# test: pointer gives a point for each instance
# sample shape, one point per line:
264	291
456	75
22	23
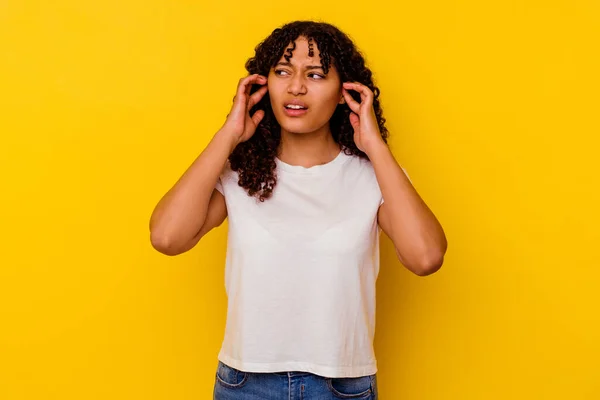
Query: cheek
274	93
331	98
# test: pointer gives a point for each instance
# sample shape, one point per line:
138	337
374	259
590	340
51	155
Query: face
303	98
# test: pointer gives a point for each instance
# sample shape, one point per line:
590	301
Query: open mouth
295	107
295	110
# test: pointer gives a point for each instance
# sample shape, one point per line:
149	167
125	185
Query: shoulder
357	165
360	164
227	179
227	172
358	173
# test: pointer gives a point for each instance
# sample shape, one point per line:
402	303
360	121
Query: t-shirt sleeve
224	178
219	186
405	173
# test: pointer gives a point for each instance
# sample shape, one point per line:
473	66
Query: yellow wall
493	108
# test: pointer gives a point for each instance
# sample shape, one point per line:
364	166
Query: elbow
433	259
429	266
425	265
163	244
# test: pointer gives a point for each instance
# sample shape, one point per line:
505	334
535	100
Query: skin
417	235
305	140
192	207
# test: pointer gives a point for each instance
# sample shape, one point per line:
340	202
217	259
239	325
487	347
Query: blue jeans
233	384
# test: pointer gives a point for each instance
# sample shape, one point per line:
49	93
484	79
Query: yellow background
493	110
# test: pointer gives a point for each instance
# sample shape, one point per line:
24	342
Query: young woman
303	173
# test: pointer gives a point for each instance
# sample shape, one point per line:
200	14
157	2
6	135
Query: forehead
304	53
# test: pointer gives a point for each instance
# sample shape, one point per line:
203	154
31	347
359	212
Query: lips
295	108
296	103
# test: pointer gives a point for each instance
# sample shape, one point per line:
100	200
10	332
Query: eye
279	72
316	76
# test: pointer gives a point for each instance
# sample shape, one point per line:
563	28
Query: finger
257	78
257	117
256	96
247	88
244	87
353	104
254	78
357	88
245	84
365	92
354	121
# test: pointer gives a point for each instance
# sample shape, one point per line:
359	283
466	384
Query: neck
307	149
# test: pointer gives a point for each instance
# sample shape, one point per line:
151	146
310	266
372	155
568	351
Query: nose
296	85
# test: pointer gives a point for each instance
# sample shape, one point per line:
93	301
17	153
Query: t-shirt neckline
315	169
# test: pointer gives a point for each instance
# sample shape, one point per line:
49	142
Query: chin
298	126
297	129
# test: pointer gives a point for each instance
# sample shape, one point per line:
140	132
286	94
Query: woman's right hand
239	122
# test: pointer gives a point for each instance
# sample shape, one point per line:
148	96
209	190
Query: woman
302	170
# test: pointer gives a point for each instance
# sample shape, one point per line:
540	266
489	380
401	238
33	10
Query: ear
342	100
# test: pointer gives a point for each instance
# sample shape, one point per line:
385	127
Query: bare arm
177	220
217	212
417	234
192	207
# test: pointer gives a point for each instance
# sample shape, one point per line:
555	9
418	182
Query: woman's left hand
363	118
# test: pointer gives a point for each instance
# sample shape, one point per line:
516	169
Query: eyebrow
289	64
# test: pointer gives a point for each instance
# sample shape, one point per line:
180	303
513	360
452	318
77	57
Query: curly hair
254	159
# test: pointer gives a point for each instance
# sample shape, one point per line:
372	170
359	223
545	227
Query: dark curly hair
254	159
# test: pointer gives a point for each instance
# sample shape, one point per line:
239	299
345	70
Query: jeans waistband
292	373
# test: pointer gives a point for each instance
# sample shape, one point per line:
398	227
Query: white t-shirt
301	269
